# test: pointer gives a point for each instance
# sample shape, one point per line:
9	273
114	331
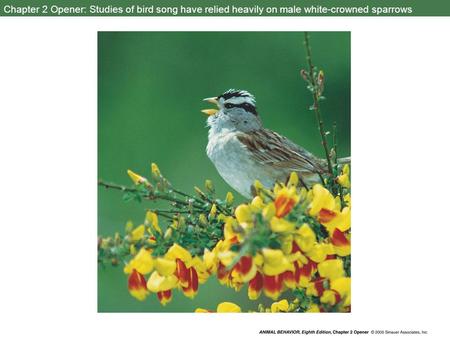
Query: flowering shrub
286	238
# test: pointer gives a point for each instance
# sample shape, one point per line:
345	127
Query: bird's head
236	111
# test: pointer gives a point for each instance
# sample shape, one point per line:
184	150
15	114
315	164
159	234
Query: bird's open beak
212	100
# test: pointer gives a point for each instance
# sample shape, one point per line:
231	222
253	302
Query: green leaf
128	196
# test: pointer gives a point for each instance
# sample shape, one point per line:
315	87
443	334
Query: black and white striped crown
238	93
239	98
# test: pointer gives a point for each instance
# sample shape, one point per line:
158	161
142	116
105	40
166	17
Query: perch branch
316	96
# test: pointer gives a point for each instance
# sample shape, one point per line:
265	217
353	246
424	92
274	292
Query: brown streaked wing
271	148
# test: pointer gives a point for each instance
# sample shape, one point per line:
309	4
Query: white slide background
400	185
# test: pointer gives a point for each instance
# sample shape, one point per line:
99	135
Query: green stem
336	167
163	214
187	195
116	186
316	103
207	199
172	211
335	148
149	195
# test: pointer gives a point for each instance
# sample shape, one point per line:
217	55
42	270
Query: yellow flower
285	200
298	256
177	251
286	243
211	261
151	219
313	308
226	257
209	186
157	283
244	214
272	256
340	242
229	199
341	220
255	286
155	170
315	288
228	307
269	211
202	219
128	227
281	306
201	269
331	269
348	200
328	297
221	217
137	286
319	252
258	186
293	180
231	229
137	179
222	307
342	286
164	297
281	225
165	267
257	204
138	233
275	262
142	263
243	271
132	250
321	199
213	211
306	238
344	179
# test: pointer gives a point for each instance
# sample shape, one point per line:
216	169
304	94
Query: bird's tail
341	162
344	160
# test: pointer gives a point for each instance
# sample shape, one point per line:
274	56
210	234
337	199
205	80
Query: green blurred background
150	91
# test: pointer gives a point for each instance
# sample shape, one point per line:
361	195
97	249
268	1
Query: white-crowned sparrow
244	151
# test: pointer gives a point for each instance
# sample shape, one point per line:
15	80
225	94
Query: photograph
224	171
217	168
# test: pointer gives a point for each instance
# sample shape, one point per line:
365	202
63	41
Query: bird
243	151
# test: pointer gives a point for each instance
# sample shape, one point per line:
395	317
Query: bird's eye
228	105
